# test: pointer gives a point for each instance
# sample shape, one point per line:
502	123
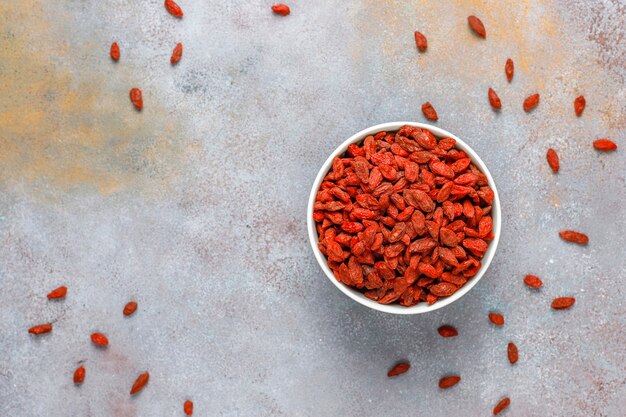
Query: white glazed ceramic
396	308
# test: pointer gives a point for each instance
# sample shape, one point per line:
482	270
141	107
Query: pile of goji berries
404	217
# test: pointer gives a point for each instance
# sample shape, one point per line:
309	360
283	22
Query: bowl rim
395	308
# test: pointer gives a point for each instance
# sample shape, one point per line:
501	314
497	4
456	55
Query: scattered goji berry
429	111
58	293
604	145
177	53
140	383
579	105
41	329
477	26
533	281
512	353
79	375
173	8
562	303
494	100
509	69
420	41
447	331
136	98
130	308
115	51
281	9
504	403
553	160
497	319
531	102
398	369
449	381
574	237
188	408
99	339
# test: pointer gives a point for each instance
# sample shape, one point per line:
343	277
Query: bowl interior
394	308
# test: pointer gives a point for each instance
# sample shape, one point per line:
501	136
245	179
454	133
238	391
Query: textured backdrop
195	207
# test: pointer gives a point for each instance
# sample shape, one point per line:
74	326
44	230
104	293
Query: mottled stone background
195	207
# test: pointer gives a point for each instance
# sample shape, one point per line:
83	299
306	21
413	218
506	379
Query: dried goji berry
604	145
420	41
512	352
429	111
115	51
173	8
477	26
140	383
532	281
399	369
531	102
281	9
497	319
130	308
504	403
58	293
449	381
443	289
99	339
494	100
41	329
79	375
177	53
188	408
509	69
562	303
447	331
553	160
574	237
579	105
136	98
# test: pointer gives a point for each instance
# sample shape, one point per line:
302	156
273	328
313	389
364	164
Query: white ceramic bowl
396	308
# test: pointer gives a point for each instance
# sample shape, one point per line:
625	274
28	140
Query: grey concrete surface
195	207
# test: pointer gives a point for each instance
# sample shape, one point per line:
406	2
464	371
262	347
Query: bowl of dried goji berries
404	218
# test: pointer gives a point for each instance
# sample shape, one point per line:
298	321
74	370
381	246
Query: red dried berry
497	319
477	26
41	329
130	308
281	9
494	100
420	41
512	353
533	281
447	331
604	145
449	381
579	105
177	53
563	303
173	8
140	383
79	375
553	160
136	98
504	403
574	237
188	408
429	111
115	51
58	293
99	339
509	69
531	102
399	369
